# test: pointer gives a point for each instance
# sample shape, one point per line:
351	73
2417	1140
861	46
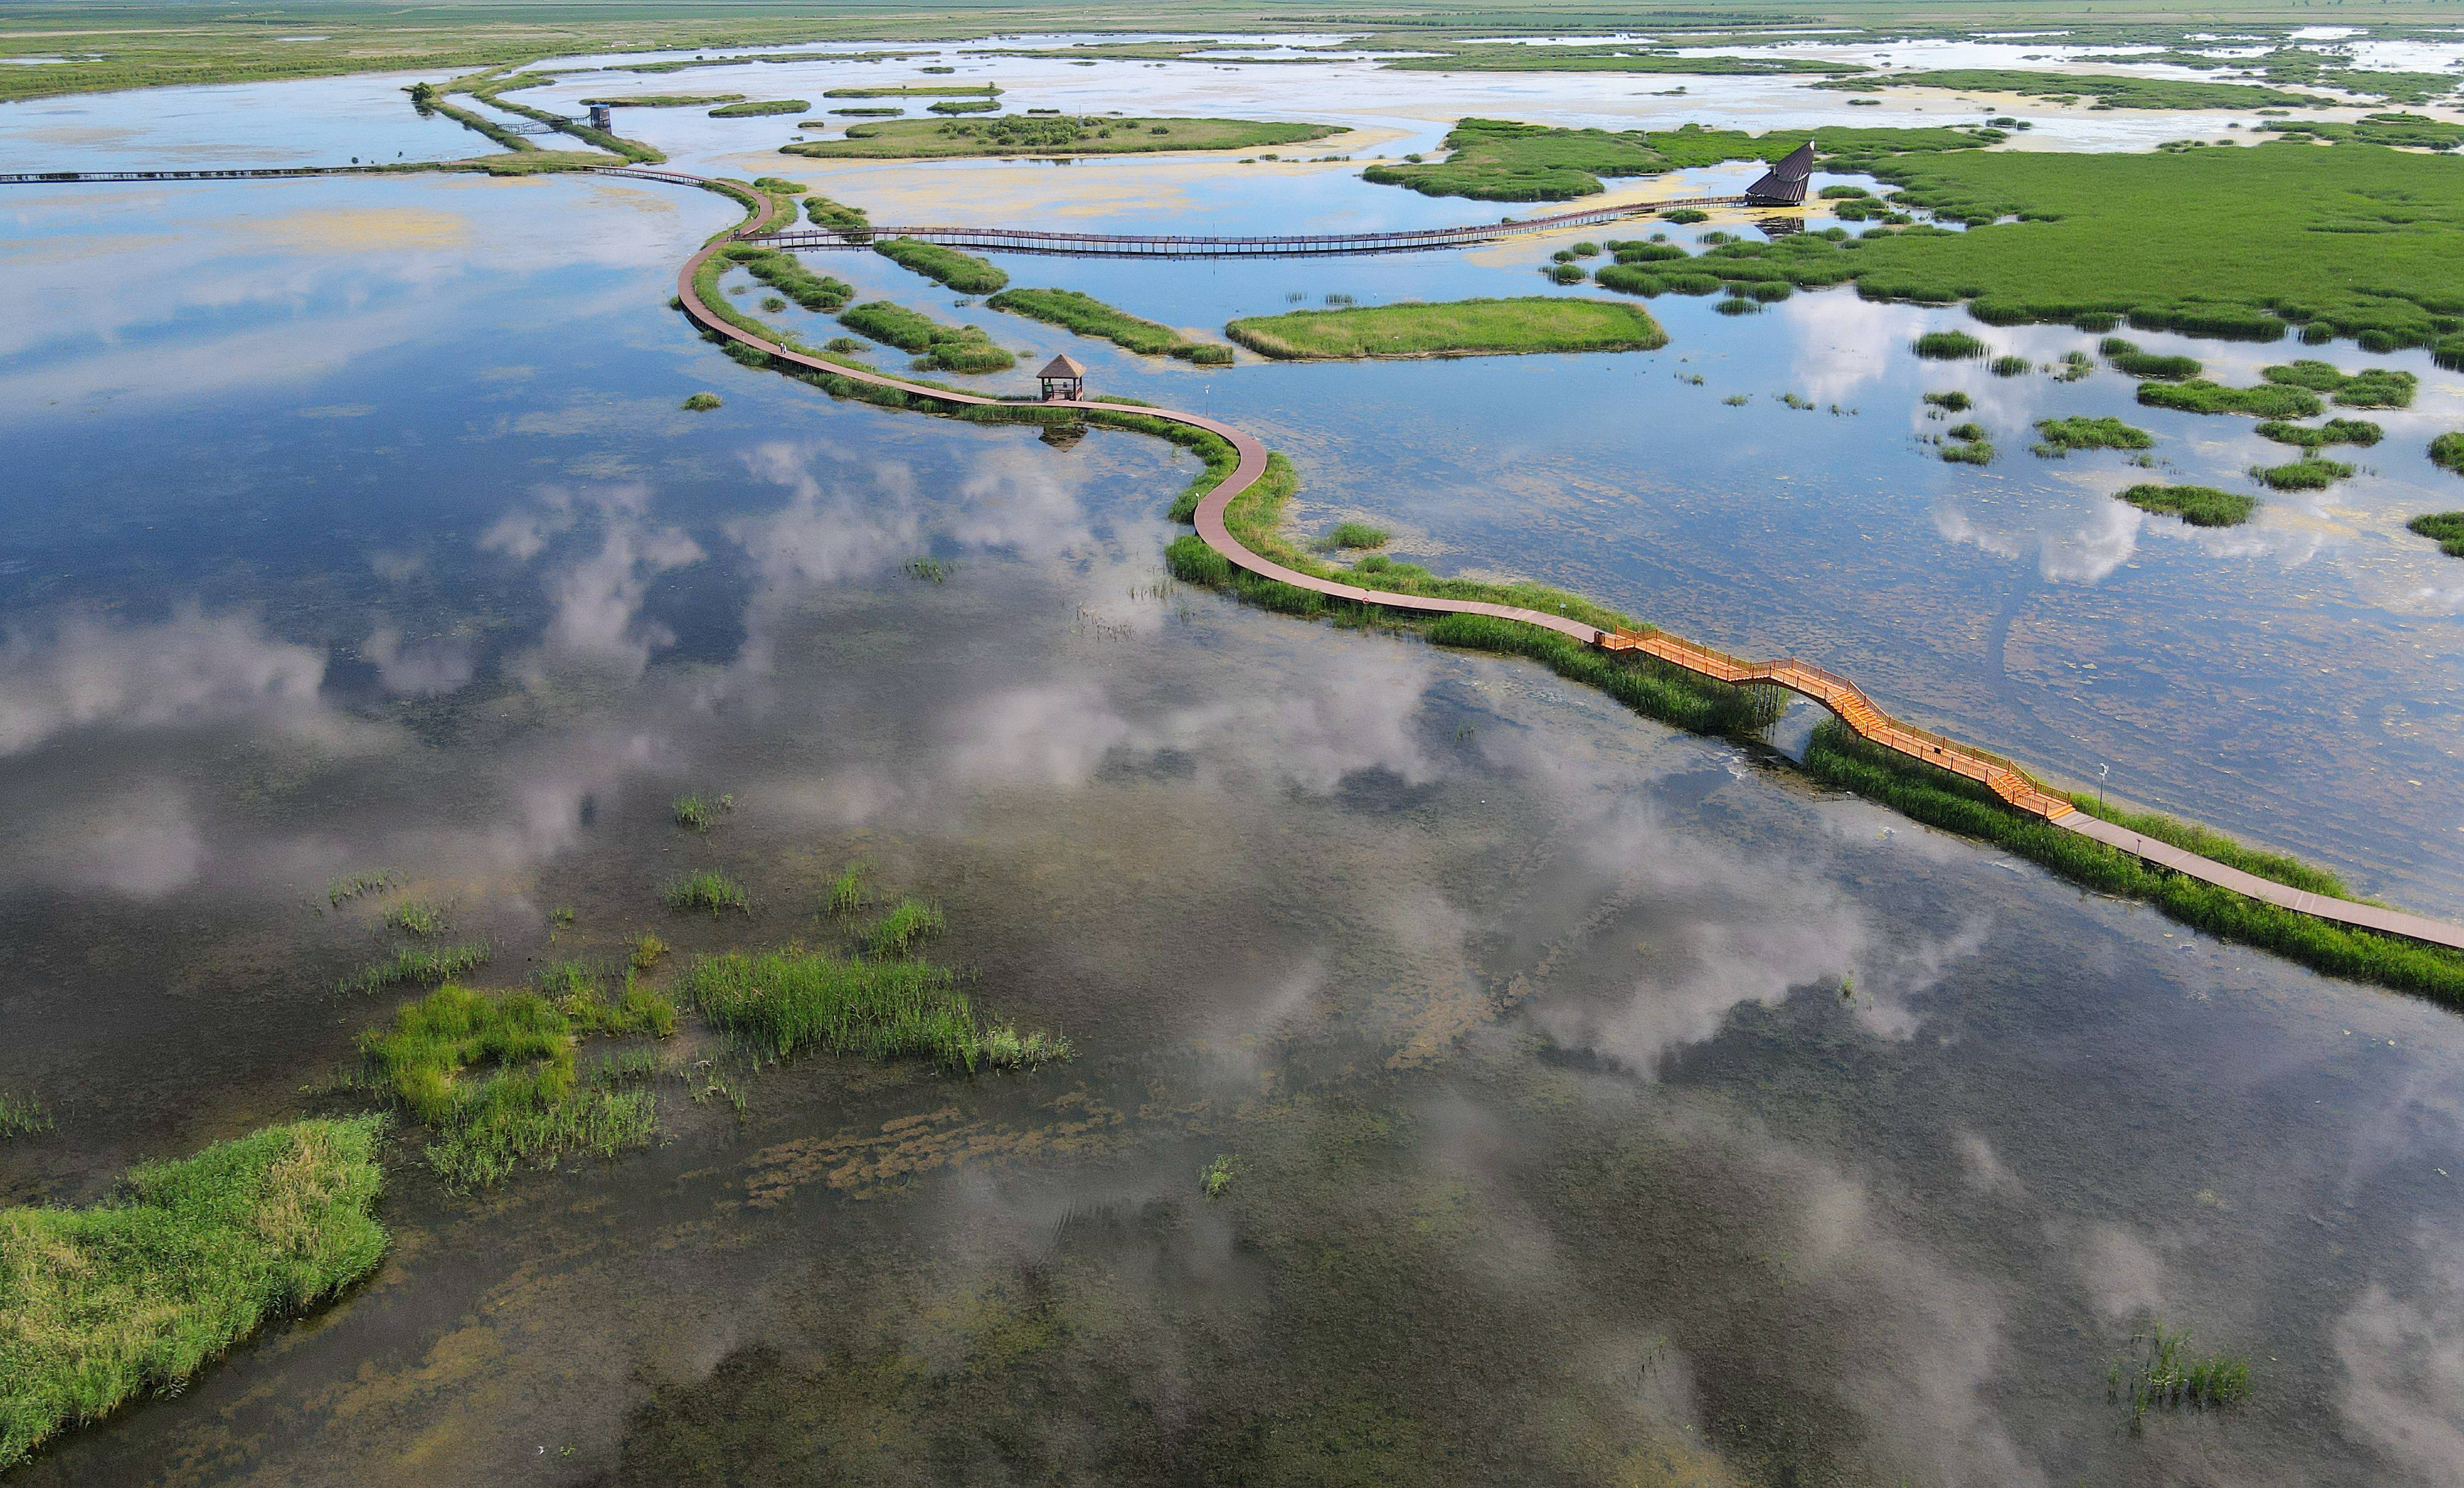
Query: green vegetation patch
695	812
706	889
2307	474
493	1077
2444	528
667	99
2372	387
700	402
21	1115
2447	452
2266	401
1454	328
143	1290
2200	506
965	273
2156	367
1497	160
2334	432
1053	134
1087	315
2346	240
1949	346
759	107
784	272
1609	57
2084	433
921	90
2159	1373
954	348
962	106
2409	131
850	223
1352	535
787	1001
1935	797
2109	92
411	965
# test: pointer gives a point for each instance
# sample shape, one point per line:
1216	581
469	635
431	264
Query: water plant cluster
2444	527
965	273
2059	436
141	1290
791	1001
950	348
2158	1371
784	272
1498	160
1052	134
761	107
2200	506
1463	327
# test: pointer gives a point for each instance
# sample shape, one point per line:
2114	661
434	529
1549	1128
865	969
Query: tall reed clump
1949	346
695	812
706	889
493	1077
789	1001
965	273
2307	474
144	1290
2159	1373
852	892
1837	757
904	928
20	1114
2085	433
2267	401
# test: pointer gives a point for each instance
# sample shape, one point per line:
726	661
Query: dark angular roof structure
1786	181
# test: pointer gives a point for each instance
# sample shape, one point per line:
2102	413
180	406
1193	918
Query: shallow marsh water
1608	1106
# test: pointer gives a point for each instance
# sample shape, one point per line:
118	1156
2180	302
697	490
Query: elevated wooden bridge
1116	245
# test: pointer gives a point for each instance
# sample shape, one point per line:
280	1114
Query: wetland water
1609	1106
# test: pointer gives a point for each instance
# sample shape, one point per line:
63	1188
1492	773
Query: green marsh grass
1950	402
2085	433
143	1290
695	812
2307	474
2267	401
2334	432
2447	452
2159	1373
958	348
1058	134
1353	535
2110	90
1949	346
1214	1179
965	273
852	892
1965	444
21	1114
493	1077
646	952
1468	327
2444	527
786	274
929	569
2135	362
789	1001
411	965
2200	506
700	402
706	889
1087	315
417	917
2011	366
2372	387
760	108
904	928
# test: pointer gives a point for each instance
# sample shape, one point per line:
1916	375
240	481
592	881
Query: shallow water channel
1607	1105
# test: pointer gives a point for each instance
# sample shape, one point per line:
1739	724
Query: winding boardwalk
1843	698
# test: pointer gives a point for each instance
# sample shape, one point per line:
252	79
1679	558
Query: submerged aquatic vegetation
783	1001
342	890
2444	527
493	1077
20	1114
413	965
144	1290
2158	1373
2200	506
706	889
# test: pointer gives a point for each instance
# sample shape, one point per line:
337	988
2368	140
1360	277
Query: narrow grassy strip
760	108
2200	506
1456	328
493	1077
788	1001
951	348
102	1304
1939	798
848	222
1085	314
2307	474
2267	401
965	273
414	966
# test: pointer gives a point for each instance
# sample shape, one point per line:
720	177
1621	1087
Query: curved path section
1844	699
